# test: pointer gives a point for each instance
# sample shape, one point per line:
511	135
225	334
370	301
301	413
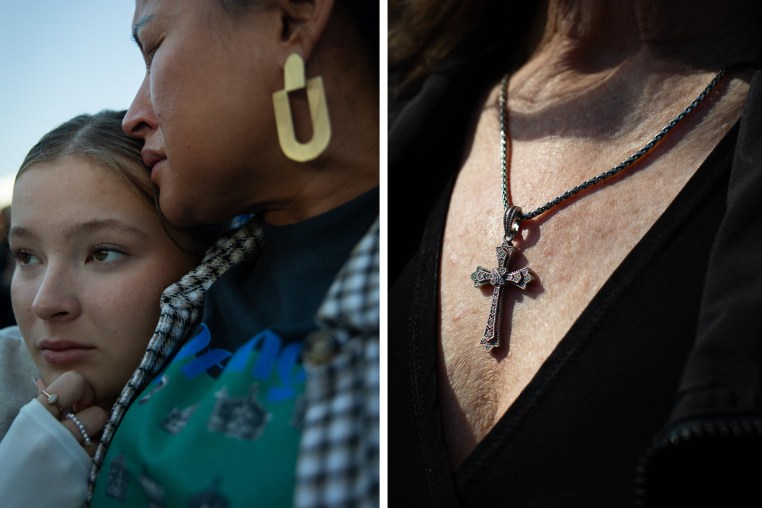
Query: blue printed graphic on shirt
242	405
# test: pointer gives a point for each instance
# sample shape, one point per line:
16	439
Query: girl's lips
65	356
60	352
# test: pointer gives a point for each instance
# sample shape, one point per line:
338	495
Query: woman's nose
140	119
56	297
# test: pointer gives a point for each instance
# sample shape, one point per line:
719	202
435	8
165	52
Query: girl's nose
56	296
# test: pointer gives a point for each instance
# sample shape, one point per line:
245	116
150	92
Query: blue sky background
60	59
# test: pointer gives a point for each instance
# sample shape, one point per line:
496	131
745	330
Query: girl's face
205	108
92	261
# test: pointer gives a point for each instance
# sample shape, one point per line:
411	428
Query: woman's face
205	107
92	260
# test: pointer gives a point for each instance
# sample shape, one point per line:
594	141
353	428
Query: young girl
93	257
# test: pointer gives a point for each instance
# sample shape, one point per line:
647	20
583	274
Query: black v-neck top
575	435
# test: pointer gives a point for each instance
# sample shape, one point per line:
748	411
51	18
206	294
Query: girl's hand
71	395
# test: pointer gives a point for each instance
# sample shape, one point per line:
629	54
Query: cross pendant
497	278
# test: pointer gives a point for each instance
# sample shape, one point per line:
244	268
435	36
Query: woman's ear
304	22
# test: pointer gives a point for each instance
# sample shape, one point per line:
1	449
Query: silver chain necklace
500	276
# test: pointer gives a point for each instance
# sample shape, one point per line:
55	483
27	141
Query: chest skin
572	250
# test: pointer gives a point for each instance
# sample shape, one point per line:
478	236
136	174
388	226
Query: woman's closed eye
148	54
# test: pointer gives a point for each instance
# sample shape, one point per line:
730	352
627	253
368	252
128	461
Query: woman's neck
624	61
578	44
701	33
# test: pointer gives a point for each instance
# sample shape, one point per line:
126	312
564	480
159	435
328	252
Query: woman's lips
151	157
61	352
155	169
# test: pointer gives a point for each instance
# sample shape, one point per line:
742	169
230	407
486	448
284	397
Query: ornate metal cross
497	278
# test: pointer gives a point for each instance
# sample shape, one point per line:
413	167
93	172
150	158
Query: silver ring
52	399
85	438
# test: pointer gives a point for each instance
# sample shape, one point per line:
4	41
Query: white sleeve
41	463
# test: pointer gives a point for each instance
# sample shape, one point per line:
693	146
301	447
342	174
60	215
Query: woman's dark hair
364	13
423	33
366	17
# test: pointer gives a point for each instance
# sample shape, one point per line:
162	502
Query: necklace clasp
511	222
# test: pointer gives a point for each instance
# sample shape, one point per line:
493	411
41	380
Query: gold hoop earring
293	77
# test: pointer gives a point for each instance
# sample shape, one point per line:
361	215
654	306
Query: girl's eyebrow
92	226
137	27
